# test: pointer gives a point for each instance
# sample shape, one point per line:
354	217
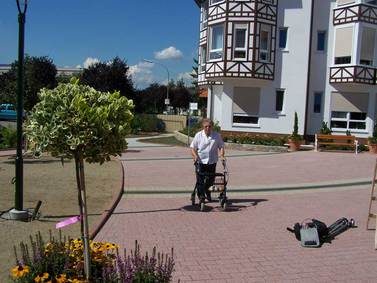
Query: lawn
47	180
170	140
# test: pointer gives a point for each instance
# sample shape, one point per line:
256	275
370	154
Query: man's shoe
209	197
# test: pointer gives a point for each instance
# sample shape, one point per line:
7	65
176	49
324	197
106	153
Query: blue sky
77	32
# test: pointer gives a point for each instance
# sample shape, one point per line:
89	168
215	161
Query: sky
76	33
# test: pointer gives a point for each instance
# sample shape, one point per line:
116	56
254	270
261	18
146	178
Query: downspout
309	69
211	104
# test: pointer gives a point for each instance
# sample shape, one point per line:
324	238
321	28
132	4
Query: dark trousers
204	182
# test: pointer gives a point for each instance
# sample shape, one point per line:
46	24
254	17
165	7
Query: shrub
8	138
295	136
147	123
196	126
257	140
62	261
325	130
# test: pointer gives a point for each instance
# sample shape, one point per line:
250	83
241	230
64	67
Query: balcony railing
353	74
355	13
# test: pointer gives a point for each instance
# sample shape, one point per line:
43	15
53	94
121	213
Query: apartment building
264	60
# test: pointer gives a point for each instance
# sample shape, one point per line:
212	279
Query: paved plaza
249	242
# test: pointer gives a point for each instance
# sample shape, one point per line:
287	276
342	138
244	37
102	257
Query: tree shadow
39	161
132	150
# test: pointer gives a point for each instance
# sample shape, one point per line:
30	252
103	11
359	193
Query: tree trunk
83	209
77	161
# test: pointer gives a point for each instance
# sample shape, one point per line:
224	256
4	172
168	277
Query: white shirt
207	147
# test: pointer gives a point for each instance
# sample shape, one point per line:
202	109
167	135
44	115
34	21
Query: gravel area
47	180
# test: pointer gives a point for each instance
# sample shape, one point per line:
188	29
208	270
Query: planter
294	145
372	148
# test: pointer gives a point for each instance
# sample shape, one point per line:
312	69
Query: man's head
207	125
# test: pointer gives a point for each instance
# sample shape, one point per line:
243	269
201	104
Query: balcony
353	74
355	13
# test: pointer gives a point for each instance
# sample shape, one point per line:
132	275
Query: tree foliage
151	99
109	77
40	72
77	119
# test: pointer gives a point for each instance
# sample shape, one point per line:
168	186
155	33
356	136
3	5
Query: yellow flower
41	277
110	246
20	271
77	281
61	278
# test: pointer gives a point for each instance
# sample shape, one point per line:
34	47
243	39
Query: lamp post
167	102
18	212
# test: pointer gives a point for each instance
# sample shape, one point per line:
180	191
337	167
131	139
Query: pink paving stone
250	242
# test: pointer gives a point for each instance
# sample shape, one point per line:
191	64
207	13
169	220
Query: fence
173	122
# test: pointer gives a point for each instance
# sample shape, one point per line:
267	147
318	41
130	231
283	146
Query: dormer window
240	42
216	42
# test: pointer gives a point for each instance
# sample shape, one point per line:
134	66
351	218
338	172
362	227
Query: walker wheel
202	206
224	204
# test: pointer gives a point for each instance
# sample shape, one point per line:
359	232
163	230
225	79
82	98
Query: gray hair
207	120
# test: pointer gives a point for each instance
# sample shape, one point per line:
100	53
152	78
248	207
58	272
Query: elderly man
206	147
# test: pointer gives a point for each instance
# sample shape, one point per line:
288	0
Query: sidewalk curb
115	201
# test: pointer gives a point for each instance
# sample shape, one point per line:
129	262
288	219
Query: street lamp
18	212
167	102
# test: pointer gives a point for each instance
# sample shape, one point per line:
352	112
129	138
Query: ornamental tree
76	121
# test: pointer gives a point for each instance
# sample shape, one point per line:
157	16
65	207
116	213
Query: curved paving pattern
249	243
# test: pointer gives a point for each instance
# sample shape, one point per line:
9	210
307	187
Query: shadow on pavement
253	202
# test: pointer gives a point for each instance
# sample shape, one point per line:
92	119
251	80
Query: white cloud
168	53
141	74
90	61
186	77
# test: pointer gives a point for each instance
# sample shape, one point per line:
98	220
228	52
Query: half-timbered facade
263	60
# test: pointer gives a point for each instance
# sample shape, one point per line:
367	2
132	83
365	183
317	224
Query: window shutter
246	100
343	42
349	102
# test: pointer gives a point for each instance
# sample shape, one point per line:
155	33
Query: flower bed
62	261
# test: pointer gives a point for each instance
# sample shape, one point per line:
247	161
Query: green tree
40	72
109	76
8	87
151	99
180	96
77	121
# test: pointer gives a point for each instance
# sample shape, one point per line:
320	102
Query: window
342	2
240	45
246	106
245	119
204	16
348	120
321	40
216	42
342	60
367	46
279	100
203	58
216	1
343	45
283	33
372	2
264	43
317	102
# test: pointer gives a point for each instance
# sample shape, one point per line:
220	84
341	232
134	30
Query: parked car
8	112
